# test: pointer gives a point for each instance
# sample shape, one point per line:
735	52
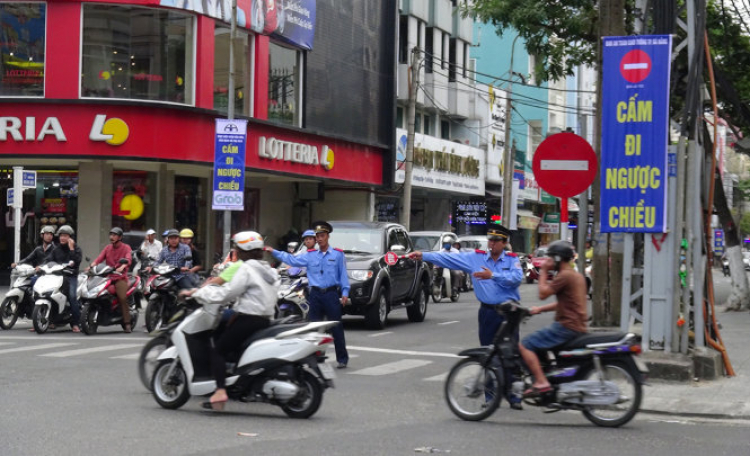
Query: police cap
322	227
498	233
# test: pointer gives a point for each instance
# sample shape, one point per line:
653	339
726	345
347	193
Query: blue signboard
28	179
229	165
719	241
635	108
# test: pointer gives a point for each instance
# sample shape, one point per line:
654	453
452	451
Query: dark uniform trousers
327	304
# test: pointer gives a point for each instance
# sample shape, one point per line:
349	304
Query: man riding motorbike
67	252
112	255
38	256
186	237
255	285
447	242
178	255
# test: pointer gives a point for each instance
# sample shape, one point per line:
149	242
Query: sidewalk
727	397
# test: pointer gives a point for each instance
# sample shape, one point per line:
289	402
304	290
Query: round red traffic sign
564	165
391	258
635	66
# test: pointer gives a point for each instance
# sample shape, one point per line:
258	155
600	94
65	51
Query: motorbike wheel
171	393
471	390
455	297
154	313
89	315
148	359
9	312
39	319
133	316
631	394
308	400
437	290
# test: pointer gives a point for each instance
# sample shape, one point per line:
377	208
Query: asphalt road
66	393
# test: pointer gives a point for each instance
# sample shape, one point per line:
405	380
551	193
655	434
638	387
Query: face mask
447	246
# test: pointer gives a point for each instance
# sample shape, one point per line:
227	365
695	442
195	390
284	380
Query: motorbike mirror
293	271
217	257
88	260
123	261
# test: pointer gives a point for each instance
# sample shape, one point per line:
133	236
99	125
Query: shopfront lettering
25	129
448	162
275	149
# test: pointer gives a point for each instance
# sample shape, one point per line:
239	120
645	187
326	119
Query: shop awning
493	193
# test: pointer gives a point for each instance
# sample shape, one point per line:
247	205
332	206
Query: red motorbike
99	303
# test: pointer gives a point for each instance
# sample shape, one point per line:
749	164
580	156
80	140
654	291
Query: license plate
640	365
327	371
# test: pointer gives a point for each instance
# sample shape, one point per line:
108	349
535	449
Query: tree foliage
745	224
563	34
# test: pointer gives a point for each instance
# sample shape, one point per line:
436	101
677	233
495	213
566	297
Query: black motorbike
440	286
161	291
597	374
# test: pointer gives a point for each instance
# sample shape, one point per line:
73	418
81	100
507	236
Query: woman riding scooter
255	285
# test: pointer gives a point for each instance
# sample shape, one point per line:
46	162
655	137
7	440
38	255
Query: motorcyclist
178	255
447	242
151	247
308	239
460	275
113	254
186	237
38	256
69	253
570	309
255	285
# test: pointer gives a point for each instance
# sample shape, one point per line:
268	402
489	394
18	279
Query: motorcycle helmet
248	240
116	230
172	232
187	233
308	233
292	246
66	229
47	229
560	251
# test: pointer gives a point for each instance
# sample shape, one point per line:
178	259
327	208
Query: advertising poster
635	108
229	165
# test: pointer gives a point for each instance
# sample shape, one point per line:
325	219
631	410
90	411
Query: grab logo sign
113	131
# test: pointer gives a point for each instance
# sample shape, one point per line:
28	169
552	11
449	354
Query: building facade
114	103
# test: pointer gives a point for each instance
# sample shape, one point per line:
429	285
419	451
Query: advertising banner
229	165
635	108
718	242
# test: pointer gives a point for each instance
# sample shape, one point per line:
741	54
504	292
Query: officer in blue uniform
496	276
329	284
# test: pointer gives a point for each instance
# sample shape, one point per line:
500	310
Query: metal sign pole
17	205
230	113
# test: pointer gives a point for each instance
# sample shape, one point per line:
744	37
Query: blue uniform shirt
506	273
324	269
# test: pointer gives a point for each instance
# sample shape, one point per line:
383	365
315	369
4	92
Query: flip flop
217	406
536	392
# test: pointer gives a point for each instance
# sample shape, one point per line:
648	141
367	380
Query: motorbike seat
265	333
592	338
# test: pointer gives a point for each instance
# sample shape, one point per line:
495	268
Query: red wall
63	50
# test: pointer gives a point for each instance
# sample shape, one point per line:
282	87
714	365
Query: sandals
75	329
536	392
126	328
217	406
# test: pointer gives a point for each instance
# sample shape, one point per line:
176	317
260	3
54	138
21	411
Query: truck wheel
377	314
418	309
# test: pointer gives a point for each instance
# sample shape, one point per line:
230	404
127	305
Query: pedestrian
570	309
496	276
329	284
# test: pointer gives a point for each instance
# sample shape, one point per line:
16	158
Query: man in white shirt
151	247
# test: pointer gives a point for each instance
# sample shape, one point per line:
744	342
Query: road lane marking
7	343
437	378
86	351
34	347
402	352
130	356
392	368
448	322
78	337
381	334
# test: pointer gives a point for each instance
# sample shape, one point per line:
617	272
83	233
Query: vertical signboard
635	110
229	165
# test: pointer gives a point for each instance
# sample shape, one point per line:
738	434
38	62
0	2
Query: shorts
549	337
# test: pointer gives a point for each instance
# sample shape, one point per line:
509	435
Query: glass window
427	125
22	27
242	84
428	49
137	53
283	85
399	117
445	129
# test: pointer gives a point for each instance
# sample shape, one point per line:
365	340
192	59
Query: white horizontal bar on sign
635	66
565	165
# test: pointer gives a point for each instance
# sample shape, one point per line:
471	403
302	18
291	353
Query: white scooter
19	301
51	306
283	364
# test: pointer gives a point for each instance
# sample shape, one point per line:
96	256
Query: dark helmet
116	230
173	232
560	251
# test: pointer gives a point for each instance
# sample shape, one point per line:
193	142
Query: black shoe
341	366
516	405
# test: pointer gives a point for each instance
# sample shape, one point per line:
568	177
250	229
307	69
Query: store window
137	53
133	204
22	29
242	83
284	84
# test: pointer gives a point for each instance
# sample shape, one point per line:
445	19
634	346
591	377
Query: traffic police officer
329	284
496	276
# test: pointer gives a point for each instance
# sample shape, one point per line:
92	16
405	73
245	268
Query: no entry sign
635	66
564	165
391	258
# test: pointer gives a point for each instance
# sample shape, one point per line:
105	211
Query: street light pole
410	115
507	159
230	112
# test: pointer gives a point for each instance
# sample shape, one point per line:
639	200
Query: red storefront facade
92	146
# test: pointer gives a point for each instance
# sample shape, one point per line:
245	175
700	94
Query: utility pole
411	113
230	112
507	156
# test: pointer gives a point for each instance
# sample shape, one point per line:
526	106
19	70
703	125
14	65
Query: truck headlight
360	274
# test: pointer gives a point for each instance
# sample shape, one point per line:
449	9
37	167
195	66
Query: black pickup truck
376	287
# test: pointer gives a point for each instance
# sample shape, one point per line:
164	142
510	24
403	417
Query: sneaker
341	366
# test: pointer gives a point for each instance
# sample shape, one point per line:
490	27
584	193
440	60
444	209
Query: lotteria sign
169	134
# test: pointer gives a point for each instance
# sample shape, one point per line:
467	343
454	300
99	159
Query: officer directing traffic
496	276
329	284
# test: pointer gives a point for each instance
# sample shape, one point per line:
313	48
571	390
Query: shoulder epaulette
310	250
336	248
511	254
482	252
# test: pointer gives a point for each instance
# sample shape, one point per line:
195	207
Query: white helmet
248	240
